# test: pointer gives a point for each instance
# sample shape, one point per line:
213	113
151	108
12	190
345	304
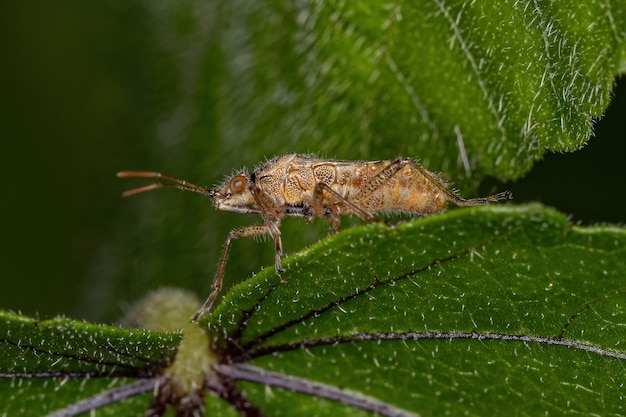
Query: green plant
480	311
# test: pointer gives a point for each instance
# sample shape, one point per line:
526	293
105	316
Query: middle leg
333	216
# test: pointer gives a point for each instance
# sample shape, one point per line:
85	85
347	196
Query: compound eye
238	184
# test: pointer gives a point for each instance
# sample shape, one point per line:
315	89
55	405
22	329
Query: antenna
165	181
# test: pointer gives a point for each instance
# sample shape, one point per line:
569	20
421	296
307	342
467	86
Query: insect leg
264	205
394	167
249	231
382	177
459	201
333	217
317	207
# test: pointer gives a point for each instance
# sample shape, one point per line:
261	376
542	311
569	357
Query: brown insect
305	186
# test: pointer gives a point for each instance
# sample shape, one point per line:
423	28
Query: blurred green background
91	88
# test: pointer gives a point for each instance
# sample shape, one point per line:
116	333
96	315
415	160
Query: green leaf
62	345
471	308
498	84
46	365
480	311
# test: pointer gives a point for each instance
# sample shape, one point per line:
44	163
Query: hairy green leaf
491	85
480	311
46	365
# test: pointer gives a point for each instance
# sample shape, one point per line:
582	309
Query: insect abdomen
407	191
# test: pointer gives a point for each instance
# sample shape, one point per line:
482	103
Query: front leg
249	231
272	216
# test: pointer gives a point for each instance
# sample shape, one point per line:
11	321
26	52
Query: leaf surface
494	84
46	365
478	311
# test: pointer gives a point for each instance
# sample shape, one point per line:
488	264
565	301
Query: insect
309	187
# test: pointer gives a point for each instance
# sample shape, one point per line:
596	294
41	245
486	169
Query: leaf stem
305	386
105	398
